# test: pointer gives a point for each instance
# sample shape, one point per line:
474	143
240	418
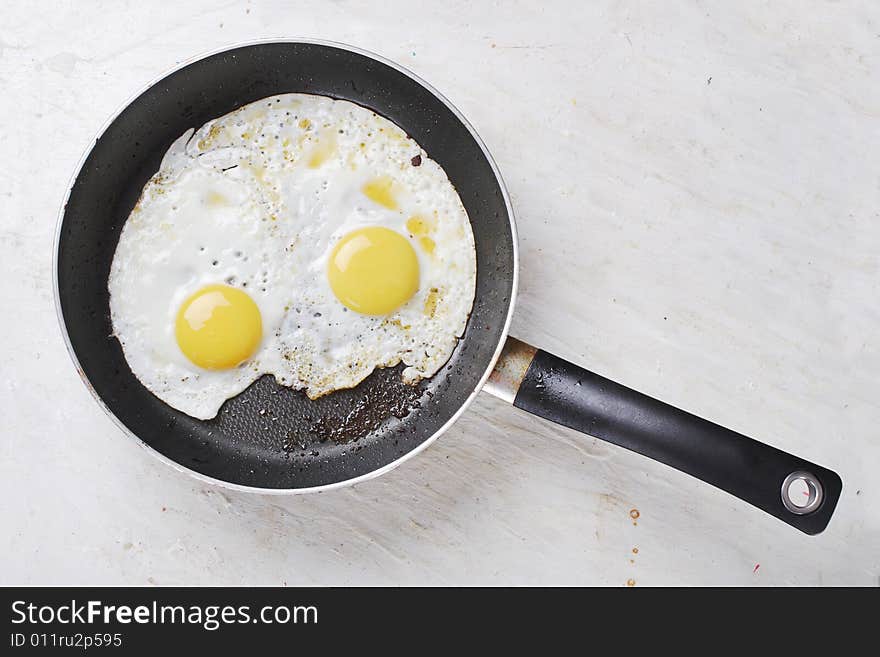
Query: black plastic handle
572	396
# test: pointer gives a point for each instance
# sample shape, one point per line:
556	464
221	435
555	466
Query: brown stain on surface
606	500
634	514
509	372
630	582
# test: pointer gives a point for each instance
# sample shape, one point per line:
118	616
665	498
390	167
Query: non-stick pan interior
270	436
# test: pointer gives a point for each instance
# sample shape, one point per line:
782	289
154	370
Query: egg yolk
218	327
373	270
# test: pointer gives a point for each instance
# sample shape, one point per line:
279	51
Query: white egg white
257	199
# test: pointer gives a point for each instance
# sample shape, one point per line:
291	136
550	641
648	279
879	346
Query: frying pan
273	439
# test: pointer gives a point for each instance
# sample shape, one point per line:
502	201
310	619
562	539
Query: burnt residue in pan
285	421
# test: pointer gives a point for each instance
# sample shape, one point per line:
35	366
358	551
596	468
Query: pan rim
338	484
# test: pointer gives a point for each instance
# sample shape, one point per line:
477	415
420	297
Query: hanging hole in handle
801	493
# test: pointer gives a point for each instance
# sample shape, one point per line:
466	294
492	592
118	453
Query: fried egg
298	236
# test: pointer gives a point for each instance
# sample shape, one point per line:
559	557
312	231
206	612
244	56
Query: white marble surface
698	193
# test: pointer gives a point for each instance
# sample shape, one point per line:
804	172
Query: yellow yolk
379	190
373	270
218	327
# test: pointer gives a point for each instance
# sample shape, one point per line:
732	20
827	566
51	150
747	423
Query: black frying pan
271	438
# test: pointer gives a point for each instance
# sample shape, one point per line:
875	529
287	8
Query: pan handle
768	478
